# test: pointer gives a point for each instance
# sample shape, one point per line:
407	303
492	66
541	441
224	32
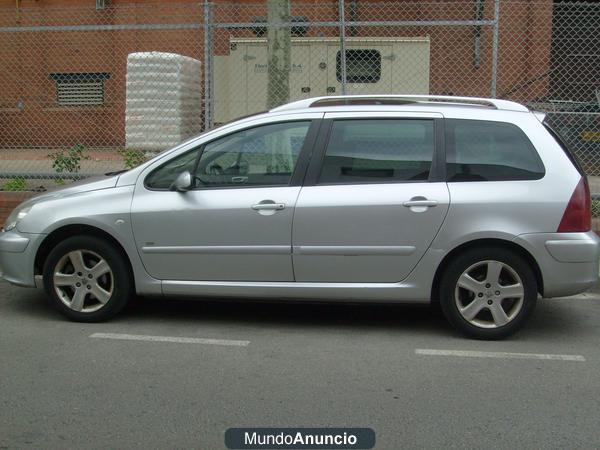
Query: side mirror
182	183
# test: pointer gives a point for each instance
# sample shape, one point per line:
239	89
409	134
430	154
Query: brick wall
30	116
9	201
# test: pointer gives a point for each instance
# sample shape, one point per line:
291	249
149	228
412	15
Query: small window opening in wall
100	4
362	66
80	89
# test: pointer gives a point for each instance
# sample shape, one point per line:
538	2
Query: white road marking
506	355
178	340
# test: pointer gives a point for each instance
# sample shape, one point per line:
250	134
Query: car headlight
15	217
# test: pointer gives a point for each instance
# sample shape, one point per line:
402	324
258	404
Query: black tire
120	278
478	258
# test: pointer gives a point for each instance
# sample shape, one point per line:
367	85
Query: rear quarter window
566	148
479	150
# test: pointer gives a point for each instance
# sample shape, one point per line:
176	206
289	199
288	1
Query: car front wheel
87	279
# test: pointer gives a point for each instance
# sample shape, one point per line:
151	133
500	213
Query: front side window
378	151
165	175
261	156
478	150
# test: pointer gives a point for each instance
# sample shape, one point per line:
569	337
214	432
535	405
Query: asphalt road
293	365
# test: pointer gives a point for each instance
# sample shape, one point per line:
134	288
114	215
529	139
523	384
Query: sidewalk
14	168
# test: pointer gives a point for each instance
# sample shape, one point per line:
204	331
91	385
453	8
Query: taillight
578	214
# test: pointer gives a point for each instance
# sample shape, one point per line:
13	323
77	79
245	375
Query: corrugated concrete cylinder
163	100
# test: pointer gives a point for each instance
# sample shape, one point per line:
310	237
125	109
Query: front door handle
423	202
268	206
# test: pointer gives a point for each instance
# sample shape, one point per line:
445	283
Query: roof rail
504	105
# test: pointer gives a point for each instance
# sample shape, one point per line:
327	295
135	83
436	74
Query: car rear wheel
488	293
87	279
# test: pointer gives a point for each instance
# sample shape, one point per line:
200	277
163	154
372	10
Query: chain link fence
92	89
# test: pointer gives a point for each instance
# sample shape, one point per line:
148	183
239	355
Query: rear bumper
17	256
568	261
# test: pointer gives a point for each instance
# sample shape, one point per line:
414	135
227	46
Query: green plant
132	158
16	184
69	161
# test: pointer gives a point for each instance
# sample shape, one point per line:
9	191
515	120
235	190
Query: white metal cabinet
241	76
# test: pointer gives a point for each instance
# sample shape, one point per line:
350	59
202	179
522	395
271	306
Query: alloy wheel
83	281
489	294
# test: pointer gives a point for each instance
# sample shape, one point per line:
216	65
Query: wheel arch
66	231
486	242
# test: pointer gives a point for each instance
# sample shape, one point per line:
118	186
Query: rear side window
478	150
566	148
378	151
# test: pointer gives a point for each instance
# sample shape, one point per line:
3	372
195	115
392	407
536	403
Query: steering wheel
214	169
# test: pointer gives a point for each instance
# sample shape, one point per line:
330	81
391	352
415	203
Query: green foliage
16	184
69	161
132	158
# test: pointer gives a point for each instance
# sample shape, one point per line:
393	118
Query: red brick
525	40
9	201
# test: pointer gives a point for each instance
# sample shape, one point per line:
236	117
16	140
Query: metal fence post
495	39
342	19
208	67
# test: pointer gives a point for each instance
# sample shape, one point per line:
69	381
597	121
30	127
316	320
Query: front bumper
568	261
17	257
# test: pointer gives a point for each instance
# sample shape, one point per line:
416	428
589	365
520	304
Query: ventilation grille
80	89
80	94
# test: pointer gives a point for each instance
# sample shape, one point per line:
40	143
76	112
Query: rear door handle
268	206
424	202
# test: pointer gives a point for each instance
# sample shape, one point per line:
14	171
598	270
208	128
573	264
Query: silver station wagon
471	204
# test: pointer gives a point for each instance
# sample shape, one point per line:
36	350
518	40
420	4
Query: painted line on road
178	340
505	355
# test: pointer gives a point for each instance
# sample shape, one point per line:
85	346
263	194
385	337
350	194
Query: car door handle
268	206
239	180
423	202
